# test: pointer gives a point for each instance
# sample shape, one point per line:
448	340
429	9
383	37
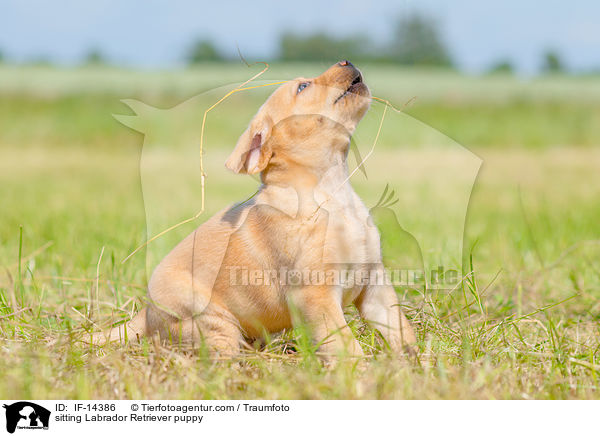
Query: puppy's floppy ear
252	153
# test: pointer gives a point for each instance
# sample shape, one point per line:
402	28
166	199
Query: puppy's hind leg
220	332
213	329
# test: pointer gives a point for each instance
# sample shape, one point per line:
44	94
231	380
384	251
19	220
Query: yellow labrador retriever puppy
281	258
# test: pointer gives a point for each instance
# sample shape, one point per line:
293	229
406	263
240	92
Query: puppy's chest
349	239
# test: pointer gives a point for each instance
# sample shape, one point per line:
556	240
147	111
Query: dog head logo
26	415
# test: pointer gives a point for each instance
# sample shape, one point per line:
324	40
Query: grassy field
75	200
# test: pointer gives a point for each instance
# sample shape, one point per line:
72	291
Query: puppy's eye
302	86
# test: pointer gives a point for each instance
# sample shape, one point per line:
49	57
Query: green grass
524	324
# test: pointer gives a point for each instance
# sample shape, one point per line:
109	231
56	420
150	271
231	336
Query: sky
156	33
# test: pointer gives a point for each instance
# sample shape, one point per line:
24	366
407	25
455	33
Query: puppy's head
339	96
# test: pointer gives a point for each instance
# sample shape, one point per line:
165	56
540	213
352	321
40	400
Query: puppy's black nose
345	63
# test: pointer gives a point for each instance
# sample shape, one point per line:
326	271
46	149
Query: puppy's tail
133	330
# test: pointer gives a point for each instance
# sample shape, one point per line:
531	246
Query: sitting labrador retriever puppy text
274	261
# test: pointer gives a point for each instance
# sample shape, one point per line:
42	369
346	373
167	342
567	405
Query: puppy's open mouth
355	86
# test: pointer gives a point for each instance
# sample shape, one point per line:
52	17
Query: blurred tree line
416	41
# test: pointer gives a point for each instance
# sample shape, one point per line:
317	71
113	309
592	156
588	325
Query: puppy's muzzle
351	80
